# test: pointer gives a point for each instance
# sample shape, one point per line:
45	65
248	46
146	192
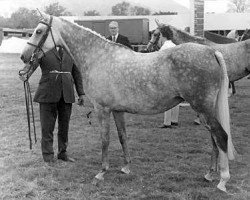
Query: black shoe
174	123
65	157
49	159
165	126
197	121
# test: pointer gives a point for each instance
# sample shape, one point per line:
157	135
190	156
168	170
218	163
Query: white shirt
167	44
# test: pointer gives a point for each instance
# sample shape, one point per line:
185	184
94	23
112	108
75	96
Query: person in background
171	116
233	34
1	35
115	36
55	95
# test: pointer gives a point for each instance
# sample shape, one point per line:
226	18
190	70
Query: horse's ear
158	23
43	15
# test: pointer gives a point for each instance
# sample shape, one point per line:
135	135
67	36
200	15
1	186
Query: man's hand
81	100
23	78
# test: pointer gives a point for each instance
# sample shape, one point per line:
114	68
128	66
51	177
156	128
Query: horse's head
162	31
153	44
245	35
42	40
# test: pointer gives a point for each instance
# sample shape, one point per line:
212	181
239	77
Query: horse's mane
94	33
220	39
185	36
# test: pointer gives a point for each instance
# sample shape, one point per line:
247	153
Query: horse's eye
38	31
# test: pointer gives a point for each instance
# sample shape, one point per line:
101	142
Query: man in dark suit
55	95
115	36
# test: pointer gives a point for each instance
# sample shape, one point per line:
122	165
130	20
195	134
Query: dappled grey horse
118	80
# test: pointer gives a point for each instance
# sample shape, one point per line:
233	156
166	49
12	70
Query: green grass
166	164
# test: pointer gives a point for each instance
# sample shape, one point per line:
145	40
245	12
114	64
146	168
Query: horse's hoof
208	178
222	188
125	170
100	175
96	181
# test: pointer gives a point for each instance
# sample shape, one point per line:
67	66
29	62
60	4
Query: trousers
49	113
171	115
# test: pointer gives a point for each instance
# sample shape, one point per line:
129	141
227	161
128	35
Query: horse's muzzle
22	57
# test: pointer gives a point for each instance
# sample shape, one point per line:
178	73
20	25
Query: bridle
42	41
39	46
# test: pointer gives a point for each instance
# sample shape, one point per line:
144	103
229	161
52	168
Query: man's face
113	30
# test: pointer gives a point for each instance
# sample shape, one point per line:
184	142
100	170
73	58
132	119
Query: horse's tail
222	112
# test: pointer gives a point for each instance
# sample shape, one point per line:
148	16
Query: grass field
166	164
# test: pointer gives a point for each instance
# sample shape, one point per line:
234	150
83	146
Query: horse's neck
217	38
180	37
82	42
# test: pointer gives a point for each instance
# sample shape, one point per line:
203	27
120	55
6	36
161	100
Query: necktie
113	38
60	51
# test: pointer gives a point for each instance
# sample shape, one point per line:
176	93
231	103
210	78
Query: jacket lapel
57	54
118	38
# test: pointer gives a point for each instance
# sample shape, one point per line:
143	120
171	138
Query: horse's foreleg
214	162
120	125
104	122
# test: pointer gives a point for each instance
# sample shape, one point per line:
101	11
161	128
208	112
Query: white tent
12	45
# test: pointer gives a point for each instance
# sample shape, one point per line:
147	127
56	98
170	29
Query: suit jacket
121	40
53	85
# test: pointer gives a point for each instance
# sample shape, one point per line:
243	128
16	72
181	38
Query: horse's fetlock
225	175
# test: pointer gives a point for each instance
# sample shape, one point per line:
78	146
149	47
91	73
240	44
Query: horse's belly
144	104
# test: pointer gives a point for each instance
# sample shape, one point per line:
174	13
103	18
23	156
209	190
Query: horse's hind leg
120	125
104	122
220	138
224	170
214	162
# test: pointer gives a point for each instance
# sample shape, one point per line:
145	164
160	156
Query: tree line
26	18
